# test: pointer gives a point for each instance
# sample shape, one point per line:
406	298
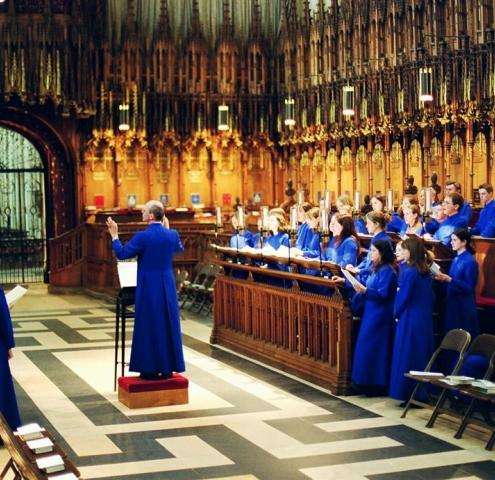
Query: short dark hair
457	199
464	235
487	187
418	254
387	256
157	212
457	185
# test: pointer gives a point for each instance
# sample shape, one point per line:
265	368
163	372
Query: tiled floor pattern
243	422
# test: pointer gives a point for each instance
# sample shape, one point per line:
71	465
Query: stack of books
28	432
457	380
484	386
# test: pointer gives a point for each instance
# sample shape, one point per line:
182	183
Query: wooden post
469	168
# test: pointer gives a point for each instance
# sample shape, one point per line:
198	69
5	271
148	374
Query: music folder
127	274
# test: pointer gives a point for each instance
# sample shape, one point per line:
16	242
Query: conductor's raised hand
113	228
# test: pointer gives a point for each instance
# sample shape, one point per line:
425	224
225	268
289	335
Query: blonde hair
282	219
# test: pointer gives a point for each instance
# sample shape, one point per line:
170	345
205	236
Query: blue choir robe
487	217
157	339
447	227
419	231
360	226
413	345
460	308
302	234
373	351
8	402
241	240
365	266
466	212
346	253
396	223
275	241
489	230
431	226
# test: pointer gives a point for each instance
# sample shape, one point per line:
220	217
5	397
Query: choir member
460	309
433	195
412	221
465	210
485	226
451	206
240	238
376	223
344	205
310	247
360	223
276	238
378	203
157	340
343	248
373	352
303	225
8	402
413	307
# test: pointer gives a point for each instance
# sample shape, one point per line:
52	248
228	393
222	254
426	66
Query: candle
264	218
293	218
390	200
357	201
323	220
328	201
428	200
300	197
218	217
240	214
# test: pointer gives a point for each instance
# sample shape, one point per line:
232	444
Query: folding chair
204	294
484	346
191	287
456	340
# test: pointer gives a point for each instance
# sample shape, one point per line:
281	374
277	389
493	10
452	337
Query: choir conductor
156	343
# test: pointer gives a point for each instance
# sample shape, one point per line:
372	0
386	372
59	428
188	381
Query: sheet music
127	274
15	295
351	278
435	268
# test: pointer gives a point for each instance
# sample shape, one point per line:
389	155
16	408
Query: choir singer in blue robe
373	352
156	343
484	225
460	309
8	403
413	307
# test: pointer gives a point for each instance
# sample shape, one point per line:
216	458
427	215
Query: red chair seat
136	384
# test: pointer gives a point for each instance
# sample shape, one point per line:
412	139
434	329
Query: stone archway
57	167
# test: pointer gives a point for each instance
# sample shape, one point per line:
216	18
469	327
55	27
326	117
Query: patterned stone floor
244	421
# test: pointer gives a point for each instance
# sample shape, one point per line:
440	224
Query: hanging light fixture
425	84
348	100
124	117
289	120
223	118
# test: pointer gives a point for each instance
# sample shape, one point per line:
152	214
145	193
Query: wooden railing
299	332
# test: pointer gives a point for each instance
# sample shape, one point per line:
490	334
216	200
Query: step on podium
135	392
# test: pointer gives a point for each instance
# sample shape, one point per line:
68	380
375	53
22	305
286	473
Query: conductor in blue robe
484	225
460	308
157	342
8	402
413	345
373	352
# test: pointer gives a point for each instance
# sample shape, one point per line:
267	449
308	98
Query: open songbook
15	295
435	268
351	278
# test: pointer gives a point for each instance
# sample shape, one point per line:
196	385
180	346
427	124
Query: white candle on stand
218	217
293	218
240	214
390	200
428	200
357	201
323	219
300	197
328	199
264	218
